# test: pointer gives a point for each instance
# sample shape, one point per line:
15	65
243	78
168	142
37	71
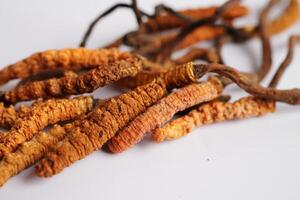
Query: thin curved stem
287	61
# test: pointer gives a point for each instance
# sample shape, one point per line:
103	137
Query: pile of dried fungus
59	129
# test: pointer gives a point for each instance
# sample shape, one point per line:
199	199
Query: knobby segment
8	115
163	111
169	21
288	17
213	112
87	82
60	59
98	126
173	77
42	115
30	152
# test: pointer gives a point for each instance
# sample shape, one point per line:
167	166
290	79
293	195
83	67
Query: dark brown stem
105	13
137	12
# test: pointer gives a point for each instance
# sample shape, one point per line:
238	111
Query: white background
251	159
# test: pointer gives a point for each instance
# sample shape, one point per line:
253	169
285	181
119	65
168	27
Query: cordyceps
213	112
40	116
83	83
163	111
173	77
98	126
30	152
73	59
189	35
221	111
169	21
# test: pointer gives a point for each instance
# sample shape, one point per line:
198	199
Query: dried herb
42	115
30	152
173	77
213	112
99	126
73	59
87	82
288	59
169	21
158	114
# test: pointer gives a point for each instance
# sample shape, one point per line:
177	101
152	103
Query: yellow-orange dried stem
169	21
173	77
213	112
164	110
30	152
60	59
40	116
99	126
83	83
288	17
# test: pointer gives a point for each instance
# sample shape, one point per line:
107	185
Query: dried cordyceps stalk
288	59
213	112
220	111
30	152
9	115
288	17
73	59
173	77
87	82
169	21
164	110
99	126
40	116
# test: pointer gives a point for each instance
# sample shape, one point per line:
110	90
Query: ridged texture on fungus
8	115
213	112
168	21
60	59
91	132
164	110
30	152
42	115
87	82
